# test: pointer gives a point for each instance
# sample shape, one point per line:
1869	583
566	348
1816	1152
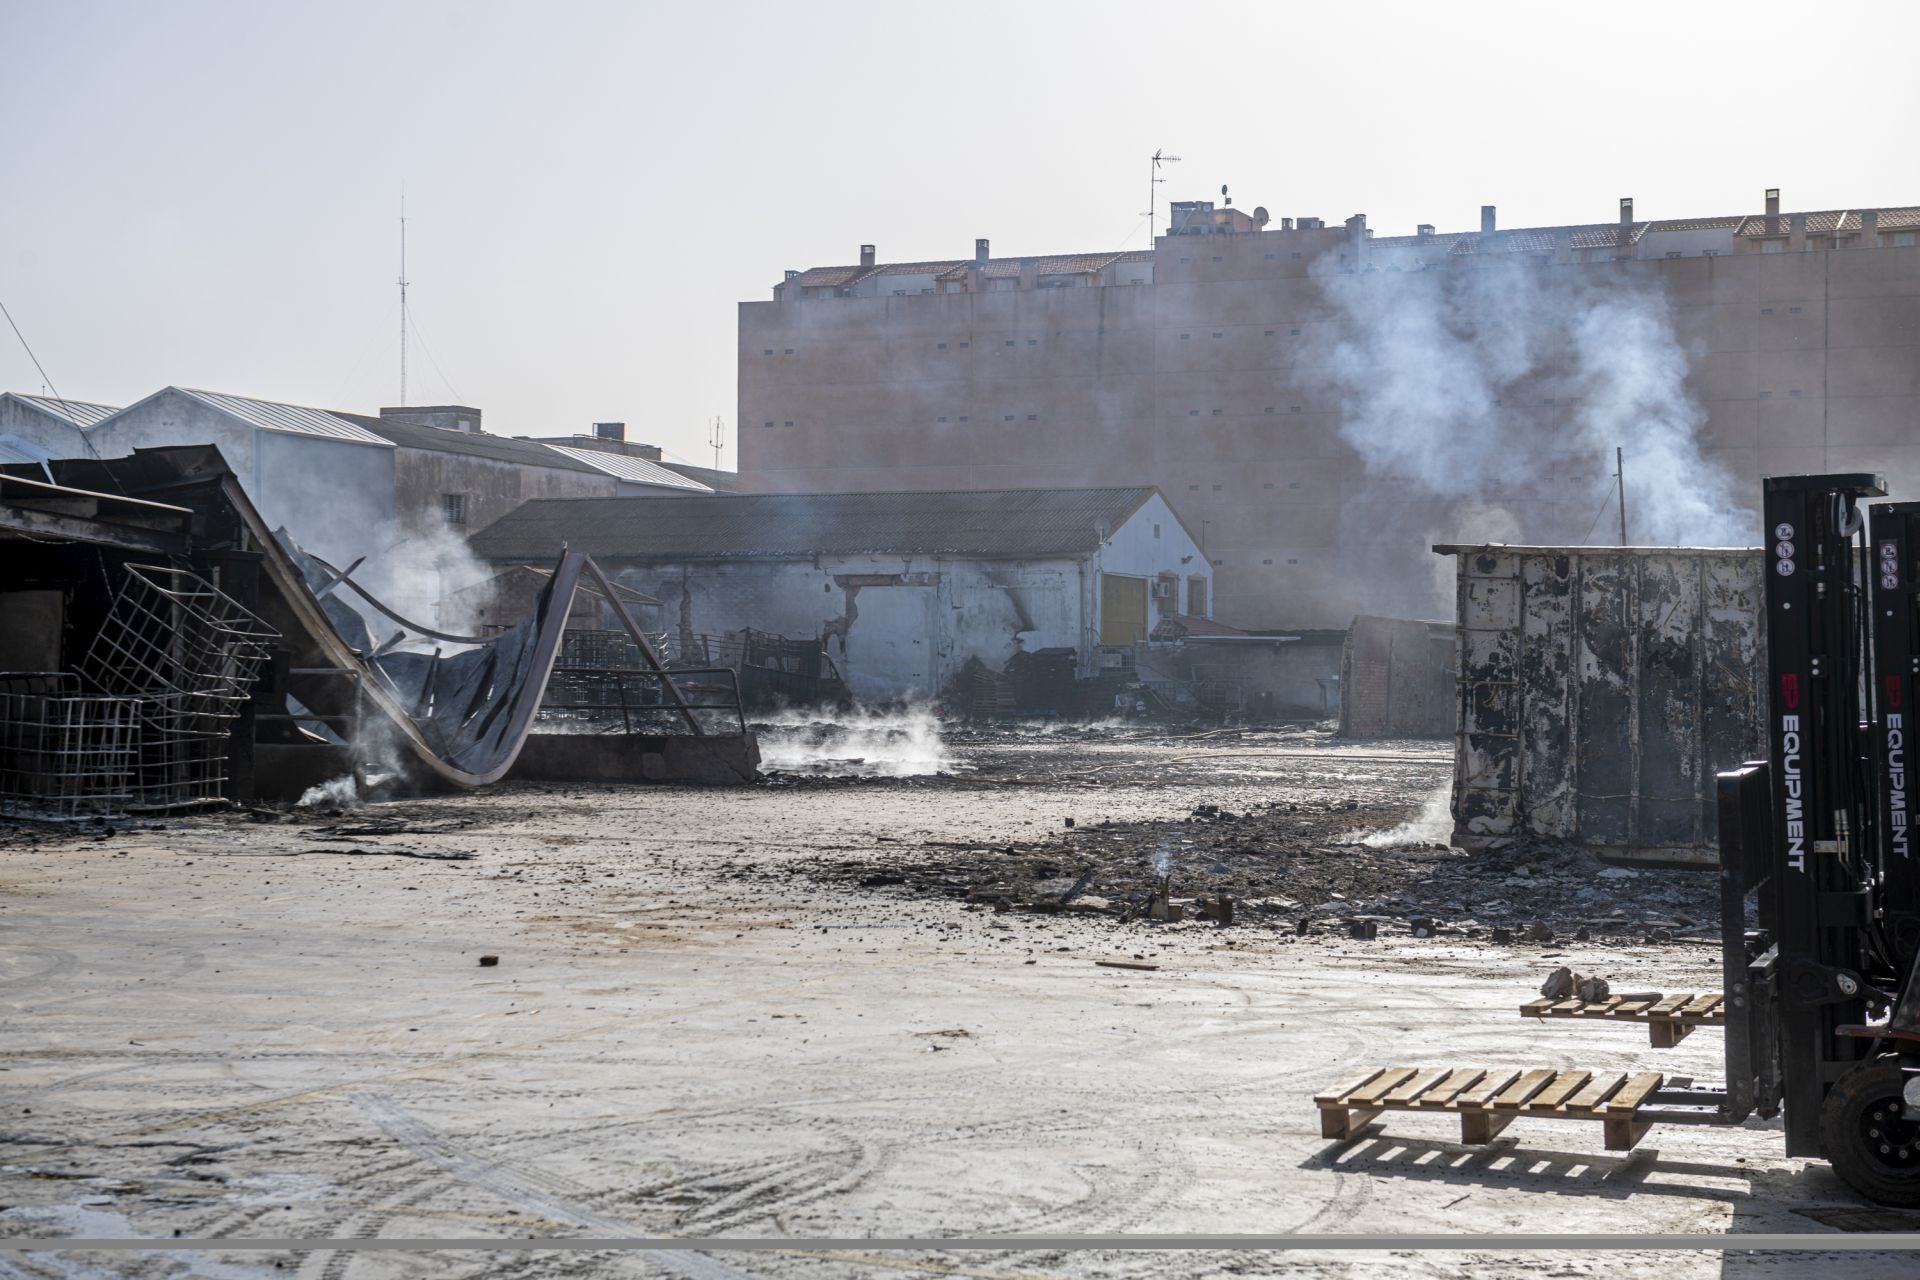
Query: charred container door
1601	689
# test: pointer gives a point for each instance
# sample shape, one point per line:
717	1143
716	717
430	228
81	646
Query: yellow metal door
1123	610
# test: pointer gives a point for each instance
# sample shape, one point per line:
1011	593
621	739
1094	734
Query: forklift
1820	889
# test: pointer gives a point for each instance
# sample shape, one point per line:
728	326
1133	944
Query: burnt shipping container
1600	690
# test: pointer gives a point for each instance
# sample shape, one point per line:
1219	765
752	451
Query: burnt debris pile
1298	868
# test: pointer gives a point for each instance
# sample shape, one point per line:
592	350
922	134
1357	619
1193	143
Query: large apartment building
1297	390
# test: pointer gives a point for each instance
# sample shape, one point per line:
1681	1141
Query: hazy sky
206	194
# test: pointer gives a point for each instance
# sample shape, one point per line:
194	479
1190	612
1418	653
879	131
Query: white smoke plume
1486	398
436	580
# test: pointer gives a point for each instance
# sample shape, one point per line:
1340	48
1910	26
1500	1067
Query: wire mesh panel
190	654
64	755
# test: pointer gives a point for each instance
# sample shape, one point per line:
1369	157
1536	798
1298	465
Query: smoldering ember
1288	731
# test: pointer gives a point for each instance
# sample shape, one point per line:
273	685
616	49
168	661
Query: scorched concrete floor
234	1028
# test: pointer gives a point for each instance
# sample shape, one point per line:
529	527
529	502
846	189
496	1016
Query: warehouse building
903	589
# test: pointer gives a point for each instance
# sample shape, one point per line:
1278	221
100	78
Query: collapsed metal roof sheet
625	467
290	418
997	523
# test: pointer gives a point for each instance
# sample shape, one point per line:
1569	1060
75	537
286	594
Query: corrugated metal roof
291	418
636	470
78	413
1005	522
472	444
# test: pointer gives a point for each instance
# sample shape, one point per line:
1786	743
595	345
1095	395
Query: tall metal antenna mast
717	437
1153	189
403	293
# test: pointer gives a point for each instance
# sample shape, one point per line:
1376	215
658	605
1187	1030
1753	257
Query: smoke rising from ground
861	744
1485	400
433	574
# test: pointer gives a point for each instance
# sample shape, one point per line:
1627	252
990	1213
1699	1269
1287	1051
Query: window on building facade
1033	417
1197	597
455	507
1773	246
1903	239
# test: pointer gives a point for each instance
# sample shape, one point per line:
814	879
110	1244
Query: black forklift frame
1809	914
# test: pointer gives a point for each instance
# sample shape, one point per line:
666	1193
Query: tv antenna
1153	189
403	292
717	437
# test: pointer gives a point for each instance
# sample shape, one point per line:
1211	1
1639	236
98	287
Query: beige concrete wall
422	477
1203	384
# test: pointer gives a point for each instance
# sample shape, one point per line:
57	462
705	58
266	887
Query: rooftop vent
610	430
866	255
1424	229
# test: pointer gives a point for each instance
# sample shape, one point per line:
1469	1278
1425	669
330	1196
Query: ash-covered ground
836	1004
1357	832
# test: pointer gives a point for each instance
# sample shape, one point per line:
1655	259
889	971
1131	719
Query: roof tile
1006	522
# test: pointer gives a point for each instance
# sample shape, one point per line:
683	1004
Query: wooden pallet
1669	1020
1488	1101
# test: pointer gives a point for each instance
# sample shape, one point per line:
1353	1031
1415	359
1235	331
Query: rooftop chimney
1626	210
1773	211
1424	229
980	250
866	255
1486	219
610	430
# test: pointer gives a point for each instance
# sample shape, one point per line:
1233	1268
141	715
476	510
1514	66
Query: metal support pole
646	647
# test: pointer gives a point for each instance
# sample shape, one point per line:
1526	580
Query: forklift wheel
1872	1134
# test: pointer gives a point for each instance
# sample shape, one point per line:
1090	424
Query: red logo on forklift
1893	691
1790	691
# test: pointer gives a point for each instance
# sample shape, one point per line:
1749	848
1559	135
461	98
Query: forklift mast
1896	644
1817	961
